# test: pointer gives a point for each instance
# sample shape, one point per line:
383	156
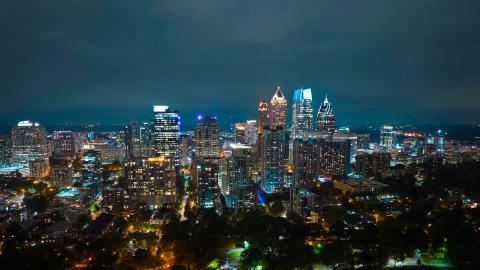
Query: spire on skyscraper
326	117
278	110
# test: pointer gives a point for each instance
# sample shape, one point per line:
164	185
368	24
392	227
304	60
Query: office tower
29	142
205	177
239	167
61	171
371	164
186	149
64	144
334	157
138	140
274	159
305	162
251	134
129	142
240	133
278	110
363	141
39	168
151	181
5	152
302	115
439	141
166	132
387	137
326	117
263	116
207	138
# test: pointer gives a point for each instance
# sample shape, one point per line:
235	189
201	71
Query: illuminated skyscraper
387	137
150	180
305	162
239	167
166	133
302	115
138	140
278	110
5	152
205	176
439	141
240	133
64	144
251	134
29	142
334	157
207	138
326	117
274	159
263	116
315	157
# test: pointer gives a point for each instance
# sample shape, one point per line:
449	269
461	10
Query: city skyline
382	63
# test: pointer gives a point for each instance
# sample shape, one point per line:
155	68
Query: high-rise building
305	162
29	142
251	134
439	141
39	168
363	141
274	159
387	137
166	133
186	149
206	138
205	176
334	157
263	116
278	110
138	140
151	180
61	171
326	117
371	164
64	144
239	167
5	152
240	133
302	115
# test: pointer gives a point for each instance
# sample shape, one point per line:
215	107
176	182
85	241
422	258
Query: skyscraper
29	142
206	138
305	162
274	159
138	140
150	180
302	115
387	137
251	134
239	167
334	157
205	176
278	110
5	152
166	133
263	116
439	141
240	133
64	144
326	117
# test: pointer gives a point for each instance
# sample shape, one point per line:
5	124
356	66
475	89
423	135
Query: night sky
111	60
